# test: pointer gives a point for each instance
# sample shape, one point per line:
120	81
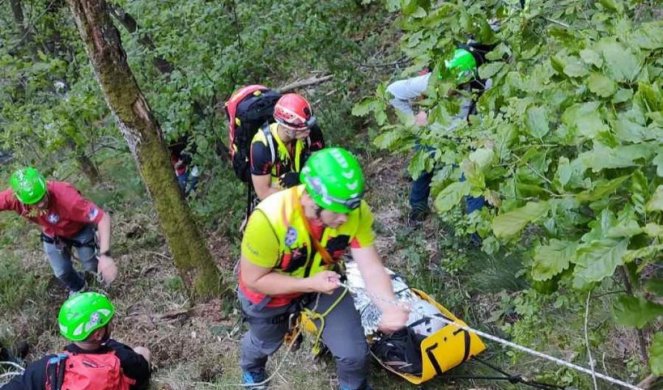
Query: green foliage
552	259
574	120
656	354
511	223
636	311
50	108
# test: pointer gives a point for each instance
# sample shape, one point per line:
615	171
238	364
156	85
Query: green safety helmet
28	184
461	66
334	180
84	313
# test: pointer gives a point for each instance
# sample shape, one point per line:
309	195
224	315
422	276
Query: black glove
289	179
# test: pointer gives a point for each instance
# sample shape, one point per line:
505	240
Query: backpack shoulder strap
55	368
270	141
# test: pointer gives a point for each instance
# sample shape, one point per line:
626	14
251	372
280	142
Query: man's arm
268	282
378	284
260	254
262	184
261	169
404	91
8	200
106	266
134	365
104	230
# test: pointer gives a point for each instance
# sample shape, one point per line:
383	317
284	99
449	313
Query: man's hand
144	352
107	269
325	282
289	179
421	119
393	319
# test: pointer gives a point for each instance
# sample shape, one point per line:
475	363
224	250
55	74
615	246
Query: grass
195	346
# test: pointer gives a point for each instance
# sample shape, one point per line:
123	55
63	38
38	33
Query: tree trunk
23	30
143	134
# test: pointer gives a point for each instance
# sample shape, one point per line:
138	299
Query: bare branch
304	83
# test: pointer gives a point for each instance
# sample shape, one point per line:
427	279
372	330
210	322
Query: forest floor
196	346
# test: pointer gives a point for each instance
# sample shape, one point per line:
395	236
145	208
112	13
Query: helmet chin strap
107	334
318	212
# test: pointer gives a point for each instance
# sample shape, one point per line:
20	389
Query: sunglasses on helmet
351	203
300	126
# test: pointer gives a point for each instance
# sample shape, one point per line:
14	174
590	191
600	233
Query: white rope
511	344
4	378
592	363
15	365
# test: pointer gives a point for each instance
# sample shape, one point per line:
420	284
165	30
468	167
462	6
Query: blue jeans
59	256
342	334
187	182
420	191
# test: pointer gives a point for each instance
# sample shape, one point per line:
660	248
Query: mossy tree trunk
143	134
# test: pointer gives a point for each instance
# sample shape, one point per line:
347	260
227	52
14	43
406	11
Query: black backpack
401	351
248	109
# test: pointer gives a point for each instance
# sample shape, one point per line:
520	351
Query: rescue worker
68	220
291	258
462	68
93	359
277	156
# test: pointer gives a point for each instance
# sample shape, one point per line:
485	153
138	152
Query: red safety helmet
294	111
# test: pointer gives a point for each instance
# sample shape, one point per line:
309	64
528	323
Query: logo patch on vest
290	236
53	218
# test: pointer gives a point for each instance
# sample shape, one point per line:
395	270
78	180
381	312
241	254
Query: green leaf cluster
573	122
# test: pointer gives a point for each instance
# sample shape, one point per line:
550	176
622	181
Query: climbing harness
309	315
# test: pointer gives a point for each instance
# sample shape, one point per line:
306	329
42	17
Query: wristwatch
105	253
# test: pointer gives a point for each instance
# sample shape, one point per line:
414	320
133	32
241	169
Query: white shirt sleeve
407	90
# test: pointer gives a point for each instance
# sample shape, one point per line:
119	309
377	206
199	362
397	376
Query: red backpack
248	109
84	371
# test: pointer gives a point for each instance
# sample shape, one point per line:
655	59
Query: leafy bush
565	146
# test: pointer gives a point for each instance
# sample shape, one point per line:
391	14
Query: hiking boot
417	215
254	380
81	290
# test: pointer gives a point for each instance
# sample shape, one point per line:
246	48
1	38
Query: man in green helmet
462	69
291	258
93	360
67	220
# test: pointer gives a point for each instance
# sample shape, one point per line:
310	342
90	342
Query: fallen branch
304	83
175	315
15	365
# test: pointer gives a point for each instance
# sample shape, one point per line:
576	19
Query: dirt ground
196	346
